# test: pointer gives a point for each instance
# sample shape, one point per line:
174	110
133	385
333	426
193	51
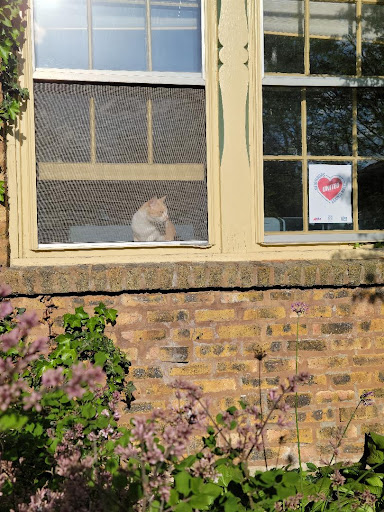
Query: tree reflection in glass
282	121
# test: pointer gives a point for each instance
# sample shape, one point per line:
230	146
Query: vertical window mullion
92	129
306	38
150	131
359	42
354	166
305	157
89	27
149	35
149	67
92	113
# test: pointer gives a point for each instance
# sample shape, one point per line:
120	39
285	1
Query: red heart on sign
330	188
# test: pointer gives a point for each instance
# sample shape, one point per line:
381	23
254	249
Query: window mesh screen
102	151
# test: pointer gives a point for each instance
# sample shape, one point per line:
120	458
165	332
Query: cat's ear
162	199
152	201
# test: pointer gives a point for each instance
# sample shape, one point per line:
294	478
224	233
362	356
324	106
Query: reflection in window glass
119	36
370	178
329	121
125	35
333	52
284	36
370	121
282	120
283	196
60	32
176	36
373	40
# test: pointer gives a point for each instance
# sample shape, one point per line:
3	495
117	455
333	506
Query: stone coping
68	280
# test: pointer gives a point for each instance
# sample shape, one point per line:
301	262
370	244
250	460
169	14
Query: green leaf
100	358
111	315
211	490
2	191
201	502
311	466
80	313
12	421
182	482
88	411
183	507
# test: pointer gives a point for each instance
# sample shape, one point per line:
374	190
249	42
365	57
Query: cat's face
156	209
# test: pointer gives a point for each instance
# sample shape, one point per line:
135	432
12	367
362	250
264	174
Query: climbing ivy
12	28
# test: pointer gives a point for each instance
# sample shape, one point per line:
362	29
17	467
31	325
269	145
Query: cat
151	222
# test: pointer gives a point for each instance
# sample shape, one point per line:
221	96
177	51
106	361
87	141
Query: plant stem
345	430
297	397
262	417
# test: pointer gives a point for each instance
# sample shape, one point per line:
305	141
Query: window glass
373	40
333	38
370	121
283	196
60	31
282	120
119	36
370	178
284	36
130	35
329	121
176	36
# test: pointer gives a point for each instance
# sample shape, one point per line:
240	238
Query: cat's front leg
170	231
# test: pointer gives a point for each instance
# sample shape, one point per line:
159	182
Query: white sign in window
330	193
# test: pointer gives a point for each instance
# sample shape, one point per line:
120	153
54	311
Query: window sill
64	280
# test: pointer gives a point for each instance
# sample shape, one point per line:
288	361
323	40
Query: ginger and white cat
151	222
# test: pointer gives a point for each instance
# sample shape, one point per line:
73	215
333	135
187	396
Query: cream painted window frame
22	169
307	81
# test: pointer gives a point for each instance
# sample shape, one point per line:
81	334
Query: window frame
306	81
21	153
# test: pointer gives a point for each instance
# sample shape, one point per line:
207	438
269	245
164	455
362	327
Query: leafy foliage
12	27
63	450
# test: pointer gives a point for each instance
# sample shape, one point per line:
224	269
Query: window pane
284	36
176	36
328	180
334	52
370	178
119	36
370	121
282	120
60	30
373	40
329	121
283	196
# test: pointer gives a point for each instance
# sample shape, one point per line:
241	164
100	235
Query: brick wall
209	337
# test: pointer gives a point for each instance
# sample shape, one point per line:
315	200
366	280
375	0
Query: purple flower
10	339
365	400
52	378
5	290
299	308
6	309
28	320
337	478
